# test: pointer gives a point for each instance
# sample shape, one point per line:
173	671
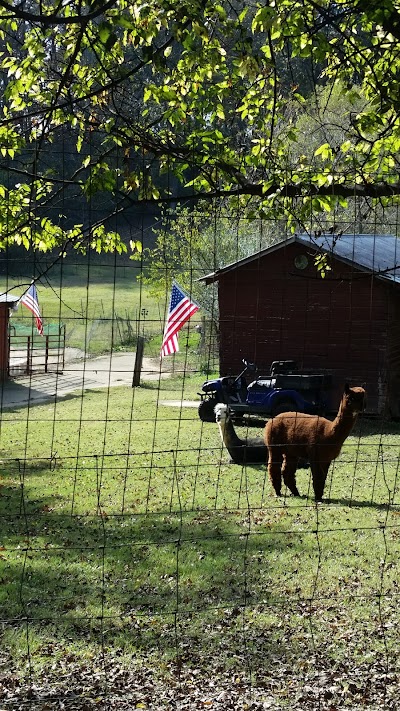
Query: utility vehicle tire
206	410
283	406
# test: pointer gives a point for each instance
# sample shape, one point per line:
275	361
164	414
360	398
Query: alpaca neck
344	421
228	434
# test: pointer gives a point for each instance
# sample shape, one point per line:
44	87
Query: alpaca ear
346	388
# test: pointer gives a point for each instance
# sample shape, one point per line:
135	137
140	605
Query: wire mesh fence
248	153
140	568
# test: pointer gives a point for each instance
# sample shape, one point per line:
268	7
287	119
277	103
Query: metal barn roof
377	254
8	298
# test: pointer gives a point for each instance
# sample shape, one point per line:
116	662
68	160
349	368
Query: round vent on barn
301	261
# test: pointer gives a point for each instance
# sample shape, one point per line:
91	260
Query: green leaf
105	30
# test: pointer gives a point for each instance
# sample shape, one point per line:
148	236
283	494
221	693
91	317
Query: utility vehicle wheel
283	406
206	410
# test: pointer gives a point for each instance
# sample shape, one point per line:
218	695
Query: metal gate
30	353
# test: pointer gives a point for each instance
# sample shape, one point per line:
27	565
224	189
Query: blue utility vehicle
285	389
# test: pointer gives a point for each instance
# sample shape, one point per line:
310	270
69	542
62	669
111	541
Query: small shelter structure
7	302
274	305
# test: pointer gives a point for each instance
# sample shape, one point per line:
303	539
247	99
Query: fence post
138	361
29	357
9	353
46	355
62	330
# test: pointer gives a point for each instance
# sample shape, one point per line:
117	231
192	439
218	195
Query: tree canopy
157	101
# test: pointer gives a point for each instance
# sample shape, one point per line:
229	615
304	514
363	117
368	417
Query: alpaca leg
289	475
274	470
319	472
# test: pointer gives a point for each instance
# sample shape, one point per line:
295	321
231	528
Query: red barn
274	305
7	302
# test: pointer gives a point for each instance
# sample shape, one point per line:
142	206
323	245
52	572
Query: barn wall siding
4	316
271	311
393	357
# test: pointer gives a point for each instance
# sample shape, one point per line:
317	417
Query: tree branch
289	190
48	20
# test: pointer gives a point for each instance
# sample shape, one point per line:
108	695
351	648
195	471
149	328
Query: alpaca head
221	413
354	399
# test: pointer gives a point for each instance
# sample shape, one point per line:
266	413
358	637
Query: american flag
181	308
30	300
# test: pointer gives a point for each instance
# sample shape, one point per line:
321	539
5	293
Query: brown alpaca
292	436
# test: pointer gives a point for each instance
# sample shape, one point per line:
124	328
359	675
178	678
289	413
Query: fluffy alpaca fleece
292	436
242	451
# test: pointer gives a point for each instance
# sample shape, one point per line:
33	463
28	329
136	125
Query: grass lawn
139	569
98	306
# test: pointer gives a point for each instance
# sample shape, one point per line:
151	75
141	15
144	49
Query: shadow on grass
354	503
367	426
197	590
81	574
125	578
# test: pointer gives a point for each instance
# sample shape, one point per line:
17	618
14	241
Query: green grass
101	308
125	531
